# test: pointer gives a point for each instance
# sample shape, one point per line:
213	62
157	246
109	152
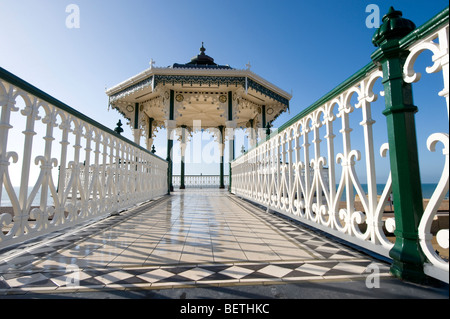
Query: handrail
27	87
418	33
348	83
425	29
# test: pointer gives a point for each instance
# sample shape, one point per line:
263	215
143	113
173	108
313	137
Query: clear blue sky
308	47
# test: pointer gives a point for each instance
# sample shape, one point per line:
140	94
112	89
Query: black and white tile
190	240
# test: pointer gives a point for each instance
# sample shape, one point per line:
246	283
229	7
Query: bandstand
198	95
76	195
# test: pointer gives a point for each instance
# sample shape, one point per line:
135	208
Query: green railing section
403	152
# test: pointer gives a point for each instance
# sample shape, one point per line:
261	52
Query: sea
427	189
427	192
7	203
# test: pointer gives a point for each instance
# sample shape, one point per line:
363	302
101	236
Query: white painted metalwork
273	174
438	44
106	174
199	181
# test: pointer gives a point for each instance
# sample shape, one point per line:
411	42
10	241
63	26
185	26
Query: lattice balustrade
59	168
274	173
199	181
438	43
321	141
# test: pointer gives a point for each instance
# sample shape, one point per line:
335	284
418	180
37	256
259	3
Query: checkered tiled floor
194	237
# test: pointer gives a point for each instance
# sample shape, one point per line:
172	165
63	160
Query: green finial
393	27
119	128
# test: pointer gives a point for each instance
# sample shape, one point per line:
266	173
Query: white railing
272	174
42	142
438	44
199	181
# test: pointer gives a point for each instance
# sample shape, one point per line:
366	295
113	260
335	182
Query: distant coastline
427	192
427	189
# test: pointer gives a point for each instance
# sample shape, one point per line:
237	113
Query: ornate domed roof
202	58
201	61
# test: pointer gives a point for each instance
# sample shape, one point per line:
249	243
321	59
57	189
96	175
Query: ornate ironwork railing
321	136
273	173
438	43
199	181
43	141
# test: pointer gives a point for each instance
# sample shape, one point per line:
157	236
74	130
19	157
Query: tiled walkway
191	238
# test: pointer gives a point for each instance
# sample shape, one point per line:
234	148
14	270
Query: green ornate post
183	147
222	139
170	140
232	154
407	255
263	117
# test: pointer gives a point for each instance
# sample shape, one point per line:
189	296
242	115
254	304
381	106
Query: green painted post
170	142
407	255
232	155
183	140
182	186
263	116
221	130
136	116
169	167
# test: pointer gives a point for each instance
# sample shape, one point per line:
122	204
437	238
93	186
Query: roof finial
202	49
